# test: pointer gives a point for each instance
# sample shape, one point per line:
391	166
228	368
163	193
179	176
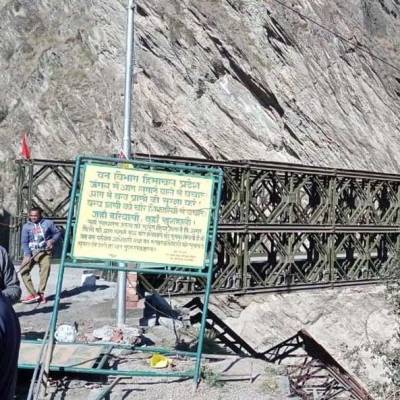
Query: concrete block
132	277
132	297
135	304
130	305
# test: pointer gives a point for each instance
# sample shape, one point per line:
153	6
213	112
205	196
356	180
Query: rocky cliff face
353	324
305	81
218	78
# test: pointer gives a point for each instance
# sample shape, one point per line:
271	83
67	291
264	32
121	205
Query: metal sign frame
136	259
67	261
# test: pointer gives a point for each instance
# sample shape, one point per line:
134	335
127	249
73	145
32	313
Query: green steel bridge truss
281	226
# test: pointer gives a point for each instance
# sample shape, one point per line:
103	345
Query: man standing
38	238
9	283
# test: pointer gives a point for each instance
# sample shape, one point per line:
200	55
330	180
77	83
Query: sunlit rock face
353	324
223	79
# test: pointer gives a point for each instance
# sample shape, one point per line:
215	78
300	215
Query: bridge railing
281	225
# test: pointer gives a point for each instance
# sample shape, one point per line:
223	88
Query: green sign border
210	176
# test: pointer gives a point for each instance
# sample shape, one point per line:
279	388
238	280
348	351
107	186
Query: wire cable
359	46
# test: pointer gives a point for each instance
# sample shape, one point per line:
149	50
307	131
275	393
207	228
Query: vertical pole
44	372
128	79
197	368
121	305
244	242
333	237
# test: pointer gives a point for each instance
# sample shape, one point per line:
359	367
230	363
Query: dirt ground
226	377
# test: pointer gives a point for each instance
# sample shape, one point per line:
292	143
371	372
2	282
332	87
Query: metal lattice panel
313	372
363	201
287	259
45	184
288	198
232	201
363	256
281	225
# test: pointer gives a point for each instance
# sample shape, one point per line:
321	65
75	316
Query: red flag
122	155
25	149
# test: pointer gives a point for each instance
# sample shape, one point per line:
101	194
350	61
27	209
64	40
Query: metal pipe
128	79
44	372
108	389
121	304
203	323
127	373
34	382
141	270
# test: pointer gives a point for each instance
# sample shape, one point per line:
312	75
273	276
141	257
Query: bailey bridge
282	226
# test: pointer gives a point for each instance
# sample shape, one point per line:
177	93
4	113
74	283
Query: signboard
143	215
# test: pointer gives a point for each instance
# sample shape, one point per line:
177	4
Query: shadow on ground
78	290
42	310
38	309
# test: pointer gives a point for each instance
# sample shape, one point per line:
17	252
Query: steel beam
281	226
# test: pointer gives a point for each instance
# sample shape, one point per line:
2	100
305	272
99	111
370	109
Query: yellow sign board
143	215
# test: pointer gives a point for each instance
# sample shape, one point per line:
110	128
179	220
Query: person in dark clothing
10	338
9	283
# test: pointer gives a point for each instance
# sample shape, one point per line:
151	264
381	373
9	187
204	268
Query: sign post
127	139
161	217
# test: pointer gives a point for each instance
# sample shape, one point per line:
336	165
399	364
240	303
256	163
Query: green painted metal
114	372
108	389
105	355
197	371
205	273
150	271
142	349
60	278
344	225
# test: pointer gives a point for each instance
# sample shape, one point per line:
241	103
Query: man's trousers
44	261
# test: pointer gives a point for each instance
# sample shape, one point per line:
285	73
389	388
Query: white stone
66	334
104	333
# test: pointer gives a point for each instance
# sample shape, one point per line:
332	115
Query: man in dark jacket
10	338
9	283
38	238
10	332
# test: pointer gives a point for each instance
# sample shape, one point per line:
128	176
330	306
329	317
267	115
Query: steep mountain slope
307	81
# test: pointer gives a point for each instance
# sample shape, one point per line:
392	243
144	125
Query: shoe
32	298
43	299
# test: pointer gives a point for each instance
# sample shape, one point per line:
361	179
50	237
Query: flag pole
126	141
